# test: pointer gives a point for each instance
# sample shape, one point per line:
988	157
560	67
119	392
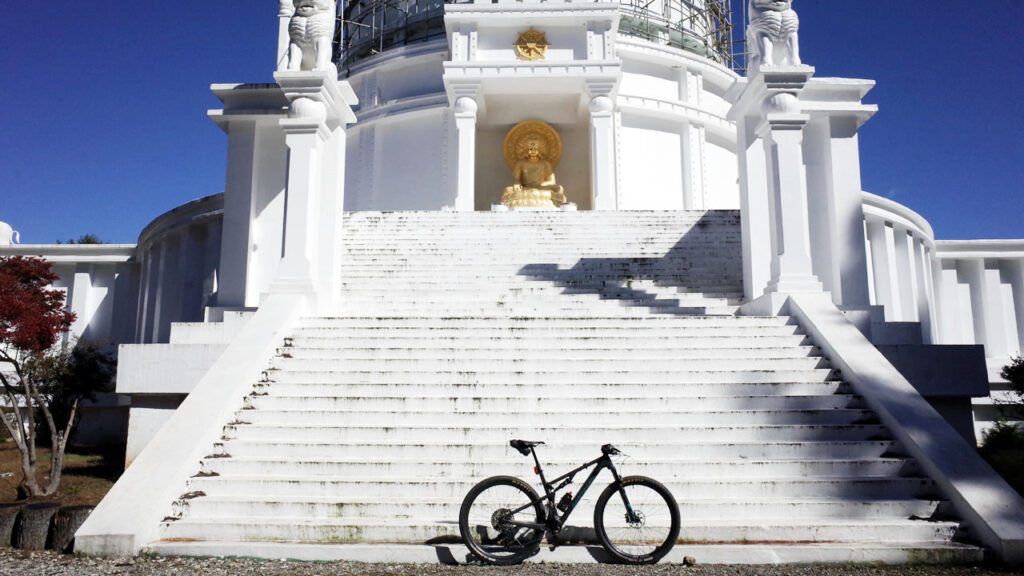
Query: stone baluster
883	256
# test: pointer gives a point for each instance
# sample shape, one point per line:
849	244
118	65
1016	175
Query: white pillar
906	283
773	188
78	299
946	309
1014	272
825	253
925	297
304	138
754	226
465	130
993	311
848	210
330	213
314	195
837	214
782	133
970	274
694	181
238	191
884	267
602	153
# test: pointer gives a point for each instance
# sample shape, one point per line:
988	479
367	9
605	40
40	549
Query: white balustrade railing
901	248
179	259
979	286
962	291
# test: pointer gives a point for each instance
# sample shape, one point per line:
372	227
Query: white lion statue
312	31
8	235
772	22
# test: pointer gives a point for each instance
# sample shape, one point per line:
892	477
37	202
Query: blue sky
104	123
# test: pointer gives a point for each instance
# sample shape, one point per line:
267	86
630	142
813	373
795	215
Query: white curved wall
179	259
674	147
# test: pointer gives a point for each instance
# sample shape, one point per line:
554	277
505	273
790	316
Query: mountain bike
503	520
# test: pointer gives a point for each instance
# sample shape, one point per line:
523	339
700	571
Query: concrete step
607	308
374	487
749	552
567	415
571	376
611	405
614	432
282	464
418	508
381	340
532	290
398	530
482	449
694	327
550	363
551	349
459	331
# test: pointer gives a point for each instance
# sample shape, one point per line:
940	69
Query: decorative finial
772	22
312	31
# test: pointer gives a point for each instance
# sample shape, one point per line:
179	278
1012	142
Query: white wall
399	163
722	174
651	160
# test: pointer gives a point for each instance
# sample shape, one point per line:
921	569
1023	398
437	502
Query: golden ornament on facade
532	151
531	45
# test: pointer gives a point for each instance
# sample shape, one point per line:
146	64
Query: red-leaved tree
32	320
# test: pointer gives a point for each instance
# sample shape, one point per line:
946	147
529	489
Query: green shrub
1003	448
1014	373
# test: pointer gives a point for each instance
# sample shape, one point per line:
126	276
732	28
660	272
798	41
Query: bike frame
555	520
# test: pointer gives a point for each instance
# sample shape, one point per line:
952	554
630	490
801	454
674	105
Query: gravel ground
20	563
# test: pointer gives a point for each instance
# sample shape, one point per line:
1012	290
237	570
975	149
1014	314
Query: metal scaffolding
368	27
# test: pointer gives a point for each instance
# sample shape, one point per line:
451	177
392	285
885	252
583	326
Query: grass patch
88	474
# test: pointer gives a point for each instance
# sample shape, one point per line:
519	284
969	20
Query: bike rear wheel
492	517
644	532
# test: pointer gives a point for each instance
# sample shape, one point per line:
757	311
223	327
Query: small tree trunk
65	524
33	526
8	514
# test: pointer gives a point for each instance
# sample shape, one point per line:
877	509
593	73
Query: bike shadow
449	554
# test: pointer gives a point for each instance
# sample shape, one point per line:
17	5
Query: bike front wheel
637	520
501	520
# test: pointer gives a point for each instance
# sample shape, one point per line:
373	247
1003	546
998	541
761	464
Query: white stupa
794	356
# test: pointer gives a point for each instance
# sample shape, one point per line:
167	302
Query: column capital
602	87
750	94
465	107
317	95
601	105
778	122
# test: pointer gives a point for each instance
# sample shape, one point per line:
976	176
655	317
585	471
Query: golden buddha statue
532	151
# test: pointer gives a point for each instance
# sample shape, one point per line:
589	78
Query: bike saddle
524	445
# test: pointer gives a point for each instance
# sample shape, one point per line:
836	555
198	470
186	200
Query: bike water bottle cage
609	450
524	445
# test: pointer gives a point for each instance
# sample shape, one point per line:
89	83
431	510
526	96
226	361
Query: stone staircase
460	331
